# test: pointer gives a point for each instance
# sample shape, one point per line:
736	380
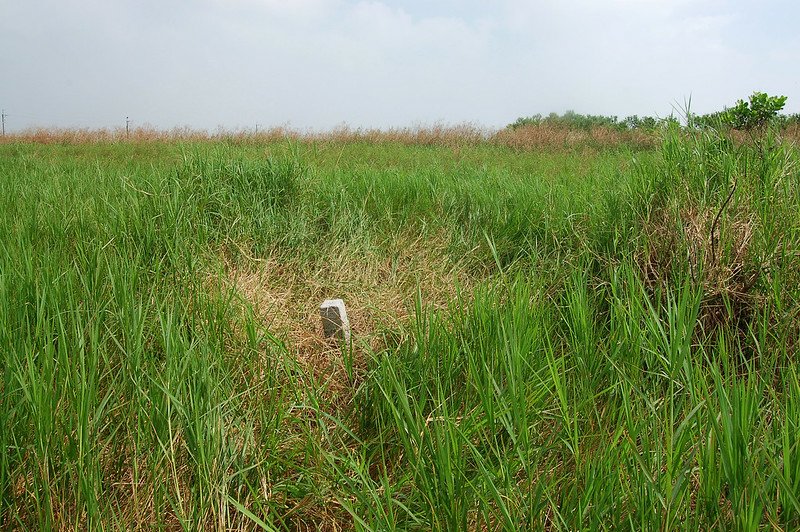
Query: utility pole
3	116
256	128
127	127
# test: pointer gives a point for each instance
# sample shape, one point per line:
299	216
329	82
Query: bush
755	114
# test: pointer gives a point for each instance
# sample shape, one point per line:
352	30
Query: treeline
720	119
581	122
758	111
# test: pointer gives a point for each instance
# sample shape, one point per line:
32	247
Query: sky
321	64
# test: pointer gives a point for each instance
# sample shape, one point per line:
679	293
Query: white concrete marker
334	319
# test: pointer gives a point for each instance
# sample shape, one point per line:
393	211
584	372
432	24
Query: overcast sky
323	63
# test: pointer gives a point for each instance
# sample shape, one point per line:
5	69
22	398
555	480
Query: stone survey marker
334	319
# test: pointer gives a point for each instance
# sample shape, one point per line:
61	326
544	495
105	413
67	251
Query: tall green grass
624	357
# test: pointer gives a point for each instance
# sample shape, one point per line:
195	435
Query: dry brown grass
543	135
140	134
722	266
380	290
792	133
452	136
716	247
438	135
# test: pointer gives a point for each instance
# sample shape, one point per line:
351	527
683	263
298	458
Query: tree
755	114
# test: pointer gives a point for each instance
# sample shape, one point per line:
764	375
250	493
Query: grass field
576	335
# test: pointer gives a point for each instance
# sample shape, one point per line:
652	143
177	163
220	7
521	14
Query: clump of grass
728	226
